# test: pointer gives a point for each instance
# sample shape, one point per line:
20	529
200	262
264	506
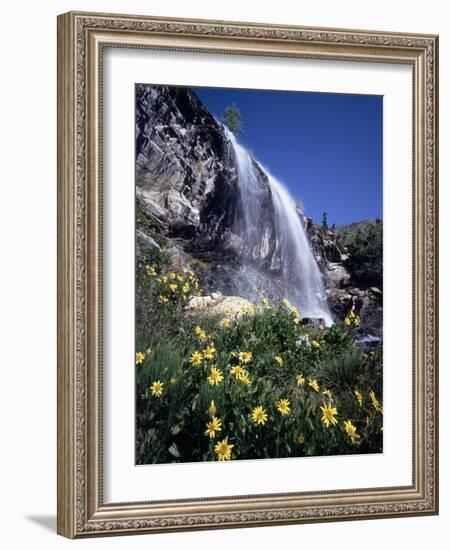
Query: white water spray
299	274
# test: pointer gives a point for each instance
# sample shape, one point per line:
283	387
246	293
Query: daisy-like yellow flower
173	287
279	360
315	344
351	431
201	334
157	388
180	278
359	397
237	371
376	404
328	394
294	310
329	414
245	379
226	323
163	299
215	377
312	383
151	271
164	279
223	449
347	322
215	425
300	379
212	409
185	288
285	302
296	320
283	406
265	301
196	358
245	356
140	358
173	276
209	352
259	415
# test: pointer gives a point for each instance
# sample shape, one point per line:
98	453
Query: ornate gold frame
81	37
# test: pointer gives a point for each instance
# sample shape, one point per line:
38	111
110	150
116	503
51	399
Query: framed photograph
247	276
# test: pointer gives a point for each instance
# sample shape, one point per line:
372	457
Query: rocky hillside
188	206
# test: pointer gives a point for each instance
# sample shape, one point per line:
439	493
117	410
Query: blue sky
325	148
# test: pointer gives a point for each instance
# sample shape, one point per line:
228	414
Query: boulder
224	307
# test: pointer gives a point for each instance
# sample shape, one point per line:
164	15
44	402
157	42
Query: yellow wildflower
279	360
312	383
359	397
315	344
186	288
347	322
157	388
164	279
294	310
140	358
351	431
237	371
209	351
245	379
376	404
265	301
215	376
245	356
300	379
212	409
215	425
173	287
151	271
285	302
172	276
200	333
163	299
283	406
259	415
223	449
226	323
296	320
196	358
180	278
301	439
328	394
328	414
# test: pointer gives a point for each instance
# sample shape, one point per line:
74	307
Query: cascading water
292	259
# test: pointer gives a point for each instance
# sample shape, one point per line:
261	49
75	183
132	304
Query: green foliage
171	428
232	119
325	221
365	245
282	359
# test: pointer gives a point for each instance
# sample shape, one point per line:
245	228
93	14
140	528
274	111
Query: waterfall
292	262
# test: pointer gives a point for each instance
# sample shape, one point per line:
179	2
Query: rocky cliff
187	189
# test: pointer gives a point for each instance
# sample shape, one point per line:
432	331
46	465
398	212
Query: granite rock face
187	186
